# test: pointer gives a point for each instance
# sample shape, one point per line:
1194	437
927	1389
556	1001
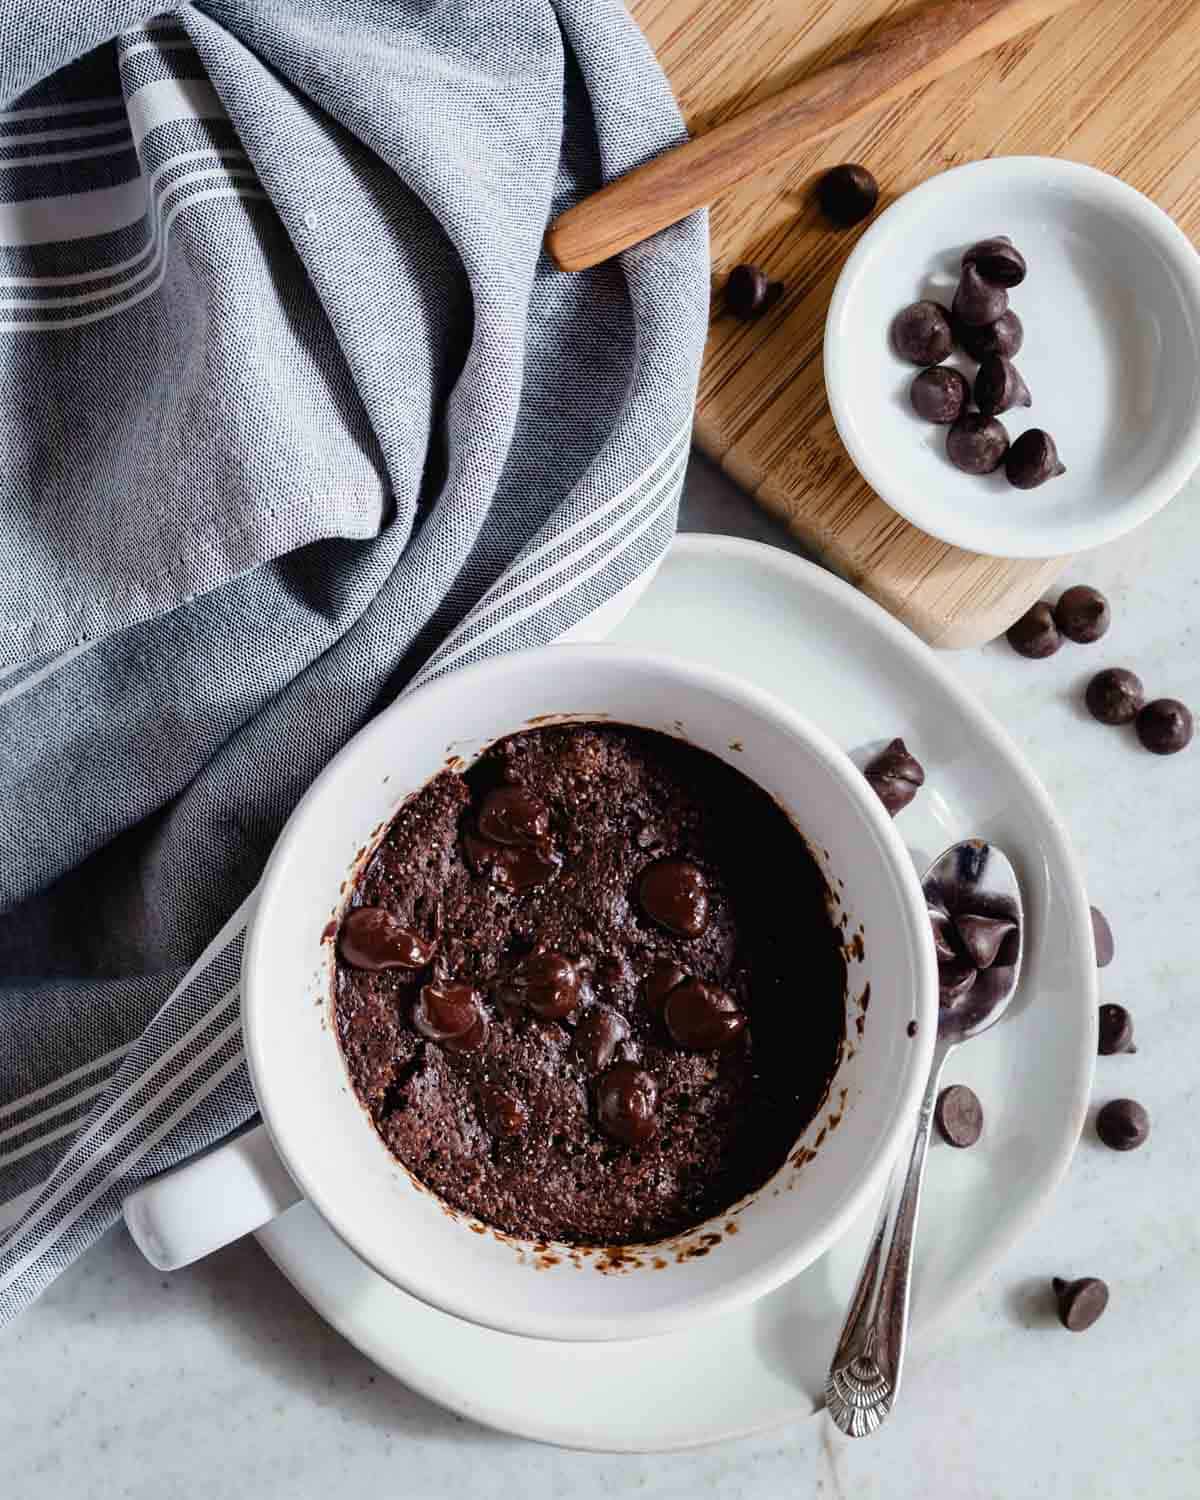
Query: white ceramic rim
406	1364
472	1303
907	498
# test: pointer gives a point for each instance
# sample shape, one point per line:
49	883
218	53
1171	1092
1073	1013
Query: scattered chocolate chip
959	1115
997	260
1035	634
749	292
911	1028
546	983
504	1112
702	1017
982	937
599	1033
1165	726
658	984
445	1010
939	394
847	194
510	815
955	980
1082	614
895	776
921	333
371	938
1102	938
1005	336
1032	460
512	869
977	444
674	893
999	386
1080	1302
978	303
1114	696
1123	1125
1116	1030
626	1101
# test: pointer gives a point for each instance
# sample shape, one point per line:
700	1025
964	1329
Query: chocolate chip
1035	634
674	893
505	1114
1080	1302
470	1041
512	816
1114	696
1164	726
444	1010
978	303
1116	1030
702	1017
921	333
955	980
981	937
1082	614
976	444
546	983
1005	336
997	260
1032	460
959	1115
371	938
939	394
1123	1125
658	984
599	1033
847	194
943	942
911	1028
512	869
1102	938
895	776
626	1102
999	386
749	292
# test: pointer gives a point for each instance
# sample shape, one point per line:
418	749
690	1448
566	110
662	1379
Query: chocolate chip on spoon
978	303
1035	634
847	194
1164	726
982	936
997	260
895	776
1004	337
959	1116
1102	938
1123	1125
1032	460
1082	614
939	394
1115	695
1116	1030
999	386
977	444
1080	1302
943	944
749	292
921	333
955	981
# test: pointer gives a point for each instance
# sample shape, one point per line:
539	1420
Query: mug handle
210	1201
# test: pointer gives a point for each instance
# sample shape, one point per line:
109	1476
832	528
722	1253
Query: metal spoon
973	878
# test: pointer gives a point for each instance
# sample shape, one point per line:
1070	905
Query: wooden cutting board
1113	82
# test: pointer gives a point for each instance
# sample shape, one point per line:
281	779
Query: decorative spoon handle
864	1377
899	59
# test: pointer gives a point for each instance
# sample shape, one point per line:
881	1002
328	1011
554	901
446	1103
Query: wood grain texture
1109	82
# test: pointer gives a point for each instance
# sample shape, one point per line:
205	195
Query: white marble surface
220	1382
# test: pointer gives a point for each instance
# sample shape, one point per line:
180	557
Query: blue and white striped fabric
293	412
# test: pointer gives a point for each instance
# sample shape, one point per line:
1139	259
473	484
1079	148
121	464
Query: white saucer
842	661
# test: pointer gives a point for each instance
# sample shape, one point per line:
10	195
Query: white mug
318	1140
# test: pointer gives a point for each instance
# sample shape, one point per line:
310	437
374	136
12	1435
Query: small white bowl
1111	311
325	1137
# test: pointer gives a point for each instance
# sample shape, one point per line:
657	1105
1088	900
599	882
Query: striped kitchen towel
293	412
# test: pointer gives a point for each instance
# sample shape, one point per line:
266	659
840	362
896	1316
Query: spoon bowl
974	881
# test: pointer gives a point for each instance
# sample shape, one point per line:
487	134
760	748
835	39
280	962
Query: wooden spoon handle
919	47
